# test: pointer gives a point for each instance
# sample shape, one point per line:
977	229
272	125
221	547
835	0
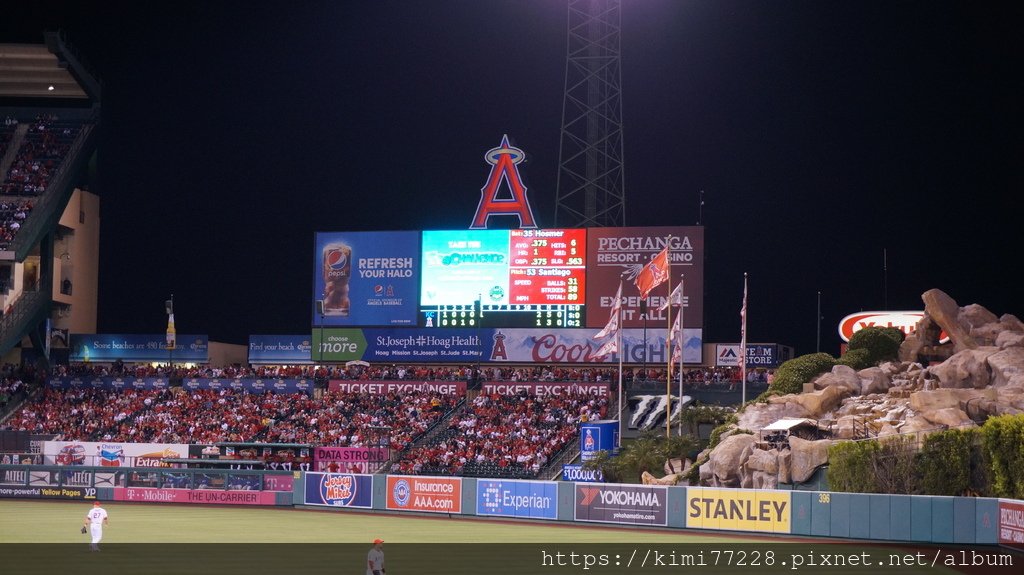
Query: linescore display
503	278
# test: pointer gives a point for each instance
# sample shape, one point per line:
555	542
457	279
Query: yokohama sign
615	503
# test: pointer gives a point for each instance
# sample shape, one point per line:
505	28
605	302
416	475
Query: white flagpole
682	350
743	342
668	344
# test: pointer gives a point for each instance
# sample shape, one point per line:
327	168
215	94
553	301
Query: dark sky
824	134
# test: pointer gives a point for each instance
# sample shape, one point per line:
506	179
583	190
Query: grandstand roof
32	71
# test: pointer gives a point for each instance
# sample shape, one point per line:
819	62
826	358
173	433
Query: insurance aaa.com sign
430	494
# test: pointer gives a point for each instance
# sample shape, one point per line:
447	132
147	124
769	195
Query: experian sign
905	321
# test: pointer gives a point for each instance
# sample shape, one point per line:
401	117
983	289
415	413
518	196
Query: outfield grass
236	539
59	522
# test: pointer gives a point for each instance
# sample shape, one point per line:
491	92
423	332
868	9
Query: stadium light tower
590	190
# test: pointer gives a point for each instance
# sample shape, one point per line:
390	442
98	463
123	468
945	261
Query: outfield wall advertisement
1011	523
738	510
197	496
619	503
339	490
495	345
509	498
429	494
22	491
349	459
542	388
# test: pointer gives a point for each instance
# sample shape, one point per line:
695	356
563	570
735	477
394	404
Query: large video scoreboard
539	278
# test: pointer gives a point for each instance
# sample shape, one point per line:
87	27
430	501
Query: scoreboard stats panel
503	278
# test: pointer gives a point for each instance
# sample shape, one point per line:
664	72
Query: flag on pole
611	346
613	320
654	273
675	298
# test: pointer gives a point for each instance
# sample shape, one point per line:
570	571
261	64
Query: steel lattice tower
590	191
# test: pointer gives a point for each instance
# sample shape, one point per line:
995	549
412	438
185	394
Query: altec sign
905	321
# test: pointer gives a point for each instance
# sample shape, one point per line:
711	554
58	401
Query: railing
55	191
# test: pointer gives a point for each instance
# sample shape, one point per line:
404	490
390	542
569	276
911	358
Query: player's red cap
96	503
376	541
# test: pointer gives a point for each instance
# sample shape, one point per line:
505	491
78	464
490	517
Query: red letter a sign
503	160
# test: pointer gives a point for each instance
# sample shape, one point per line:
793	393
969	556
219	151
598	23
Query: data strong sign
534	499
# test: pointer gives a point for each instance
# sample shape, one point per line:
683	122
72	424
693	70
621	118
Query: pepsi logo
336	259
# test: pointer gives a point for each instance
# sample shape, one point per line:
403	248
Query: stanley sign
738	509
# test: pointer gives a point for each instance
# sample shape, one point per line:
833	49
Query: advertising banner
429	494
366	278
495	345
349	459
339	490
1011	523
598	436
618	503
198	496
758	355
612	251
105	347
48	492
544	388
537	345
280	349
251	385
424	345
738	510
111	454
576	472
509	498
384	387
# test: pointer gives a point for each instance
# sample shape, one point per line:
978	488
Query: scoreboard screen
503	278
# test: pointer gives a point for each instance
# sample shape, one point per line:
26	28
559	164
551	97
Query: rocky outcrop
981	374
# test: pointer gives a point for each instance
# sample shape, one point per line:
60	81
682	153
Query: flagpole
618	348
668	343
743	342
682	350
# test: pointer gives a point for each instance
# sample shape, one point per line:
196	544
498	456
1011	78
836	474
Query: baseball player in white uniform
95	519
375	558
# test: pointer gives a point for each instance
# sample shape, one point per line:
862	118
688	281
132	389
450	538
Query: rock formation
976	373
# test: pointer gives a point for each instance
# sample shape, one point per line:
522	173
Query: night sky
823	134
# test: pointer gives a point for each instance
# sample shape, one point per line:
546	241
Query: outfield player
375	558
95	519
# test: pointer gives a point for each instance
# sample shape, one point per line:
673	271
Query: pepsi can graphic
337	262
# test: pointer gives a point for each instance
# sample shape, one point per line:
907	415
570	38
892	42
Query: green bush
881	343
1003	440
850	466
793	374
858	359
944	463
